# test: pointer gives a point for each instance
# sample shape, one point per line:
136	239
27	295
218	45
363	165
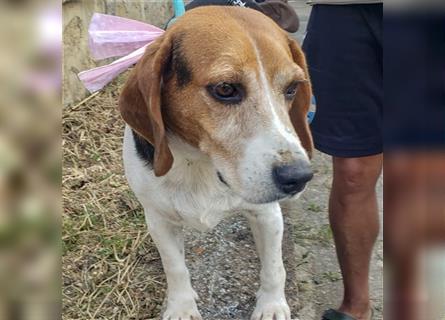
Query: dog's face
229	82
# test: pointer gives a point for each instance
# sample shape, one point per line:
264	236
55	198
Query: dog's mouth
278	196
221	178
273	198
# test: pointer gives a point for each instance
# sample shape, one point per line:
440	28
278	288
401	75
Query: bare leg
267	228
170	243
353	216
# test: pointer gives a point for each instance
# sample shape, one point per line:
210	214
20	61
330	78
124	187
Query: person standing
343	47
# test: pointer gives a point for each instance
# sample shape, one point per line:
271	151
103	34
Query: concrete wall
76	18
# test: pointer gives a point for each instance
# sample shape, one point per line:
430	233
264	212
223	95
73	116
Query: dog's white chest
199	199
204	219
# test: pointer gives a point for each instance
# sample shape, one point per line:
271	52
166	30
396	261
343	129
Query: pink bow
112	36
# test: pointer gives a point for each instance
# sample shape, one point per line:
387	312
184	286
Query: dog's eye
291	91
229	93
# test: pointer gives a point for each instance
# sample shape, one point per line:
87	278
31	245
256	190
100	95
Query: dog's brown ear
302	102
140	102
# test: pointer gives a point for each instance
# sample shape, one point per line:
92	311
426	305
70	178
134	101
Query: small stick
85	100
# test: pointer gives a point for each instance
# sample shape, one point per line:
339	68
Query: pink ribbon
111	36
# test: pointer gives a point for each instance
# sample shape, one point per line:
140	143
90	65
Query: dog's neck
192	169
198	192
185	156
184	152
191	166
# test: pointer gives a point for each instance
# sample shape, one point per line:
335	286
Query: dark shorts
343	48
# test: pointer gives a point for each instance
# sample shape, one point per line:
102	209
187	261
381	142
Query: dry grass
111	267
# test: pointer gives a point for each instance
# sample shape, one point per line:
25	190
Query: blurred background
30	159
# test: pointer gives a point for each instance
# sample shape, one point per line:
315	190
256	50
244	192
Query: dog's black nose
292	178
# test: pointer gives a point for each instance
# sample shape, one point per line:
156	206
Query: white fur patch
267	90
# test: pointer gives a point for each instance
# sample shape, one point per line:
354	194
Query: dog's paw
182	312
271	309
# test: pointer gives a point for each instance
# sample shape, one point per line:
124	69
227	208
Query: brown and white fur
212	159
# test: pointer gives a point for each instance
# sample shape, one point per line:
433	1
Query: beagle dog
216	124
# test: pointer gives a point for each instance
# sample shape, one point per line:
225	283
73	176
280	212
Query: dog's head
231	83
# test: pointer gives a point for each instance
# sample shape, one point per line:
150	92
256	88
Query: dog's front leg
169	240
266	224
